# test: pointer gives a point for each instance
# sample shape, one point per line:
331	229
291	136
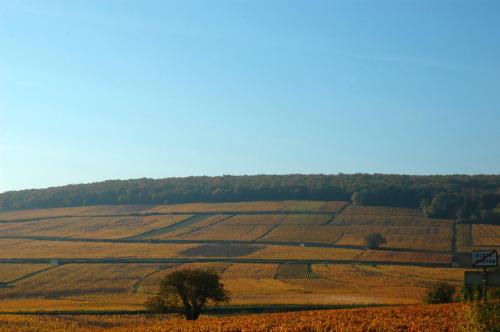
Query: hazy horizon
93	90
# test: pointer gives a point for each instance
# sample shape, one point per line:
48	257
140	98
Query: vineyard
276	219
306	233
464	238
332	206
228	232
475	237
381	211
486	235
103	210
265	253
221	250
450	317
396	256
402	228
151	283
11	272
384	275
203	222
396	238
294	252
84	227
304	206
13	248
295	271
80	280
251	271
222	207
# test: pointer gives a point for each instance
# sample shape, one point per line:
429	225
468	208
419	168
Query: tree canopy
187	291
450	196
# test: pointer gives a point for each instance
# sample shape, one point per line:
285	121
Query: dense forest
466	198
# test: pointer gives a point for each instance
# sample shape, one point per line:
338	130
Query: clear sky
103	89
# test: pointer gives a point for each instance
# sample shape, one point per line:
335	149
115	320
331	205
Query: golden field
93	285
17	248
380	210
449	318
486	235
9	272
95	210
95	227
411	239
222	207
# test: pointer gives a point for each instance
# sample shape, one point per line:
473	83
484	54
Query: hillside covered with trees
467	198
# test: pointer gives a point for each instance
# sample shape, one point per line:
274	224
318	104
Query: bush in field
483	317
440	293
187	292
374	240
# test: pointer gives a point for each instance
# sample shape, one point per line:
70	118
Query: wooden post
485	286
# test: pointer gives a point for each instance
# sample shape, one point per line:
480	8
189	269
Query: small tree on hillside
374	240
187	292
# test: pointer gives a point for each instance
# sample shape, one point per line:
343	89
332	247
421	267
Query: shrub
374	240
440	293
483	317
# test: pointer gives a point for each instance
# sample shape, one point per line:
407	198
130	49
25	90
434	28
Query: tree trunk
196	312
188	312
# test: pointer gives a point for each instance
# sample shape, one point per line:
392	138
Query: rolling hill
284	252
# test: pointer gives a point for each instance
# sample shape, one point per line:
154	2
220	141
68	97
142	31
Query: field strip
178	213
178	241
330	220
266	233
338	213
210	310
26	276
137	284
220	221
170	228
210	260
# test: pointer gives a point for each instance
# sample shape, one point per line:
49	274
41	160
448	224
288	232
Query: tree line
463	197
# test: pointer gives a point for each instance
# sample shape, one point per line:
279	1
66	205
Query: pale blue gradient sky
93	90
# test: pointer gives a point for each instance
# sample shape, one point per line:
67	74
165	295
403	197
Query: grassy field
451	317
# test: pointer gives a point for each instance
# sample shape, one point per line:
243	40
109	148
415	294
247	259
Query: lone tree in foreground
374	240
187	292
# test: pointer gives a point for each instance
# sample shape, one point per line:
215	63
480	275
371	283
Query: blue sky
93	90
